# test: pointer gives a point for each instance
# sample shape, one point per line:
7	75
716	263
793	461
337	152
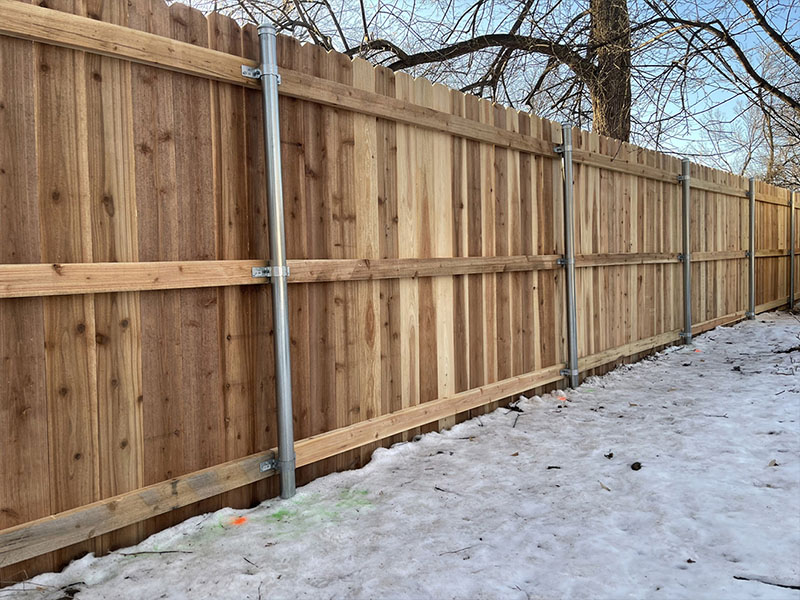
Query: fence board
23	408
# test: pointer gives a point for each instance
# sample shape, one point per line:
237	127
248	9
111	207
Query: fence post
278	268
751	253
565	149
686	255
792	235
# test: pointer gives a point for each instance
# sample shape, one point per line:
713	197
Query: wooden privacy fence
424	230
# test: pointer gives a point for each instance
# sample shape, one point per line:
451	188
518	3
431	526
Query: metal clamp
685	335
561	262
568	372
251	72
747	253
684	258
269	272
270	464
256	73
273	71
684	177
560	149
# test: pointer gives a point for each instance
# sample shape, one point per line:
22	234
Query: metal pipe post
751	253
569	254
686	256
278	269
792	237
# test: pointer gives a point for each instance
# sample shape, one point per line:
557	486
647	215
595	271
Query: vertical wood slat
66	236
367	245
168	167
114	238
233	213
155	161
24	406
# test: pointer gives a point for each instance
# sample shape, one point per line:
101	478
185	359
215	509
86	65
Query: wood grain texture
24	449
115	238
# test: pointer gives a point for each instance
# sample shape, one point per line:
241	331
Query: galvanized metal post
278	269
686	255
569	254
792	237
751	253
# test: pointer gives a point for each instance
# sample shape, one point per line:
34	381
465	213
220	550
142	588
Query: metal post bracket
684	178
269	272
251	72
271	464
256	73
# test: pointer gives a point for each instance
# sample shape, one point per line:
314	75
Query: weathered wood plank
233	213
69	322
115	238
24	455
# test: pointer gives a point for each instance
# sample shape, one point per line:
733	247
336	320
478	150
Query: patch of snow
536	502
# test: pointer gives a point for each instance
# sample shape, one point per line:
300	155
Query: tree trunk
610	87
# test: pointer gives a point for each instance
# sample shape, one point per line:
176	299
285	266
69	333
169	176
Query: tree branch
771	32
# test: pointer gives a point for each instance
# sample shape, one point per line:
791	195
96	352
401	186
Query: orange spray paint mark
696	350
562	398
239	521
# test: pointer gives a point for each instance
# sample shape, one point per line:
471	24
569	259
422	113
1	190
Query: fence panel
772	246
720	217
423	229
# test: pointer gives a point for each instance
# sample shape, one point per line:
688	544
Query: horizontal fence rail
425	245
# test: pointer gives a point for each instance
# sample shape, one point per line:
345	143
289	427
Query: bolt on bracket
269	465
568	372
256	73
251	72
269	272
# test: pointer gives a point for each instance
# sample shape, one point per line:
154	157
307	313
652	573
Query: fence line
424	229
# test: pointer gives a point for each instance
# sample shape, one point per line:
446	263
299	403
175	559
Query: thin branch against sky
688	83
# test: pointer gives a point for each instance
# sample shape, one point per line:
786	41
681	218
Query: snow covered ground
538	502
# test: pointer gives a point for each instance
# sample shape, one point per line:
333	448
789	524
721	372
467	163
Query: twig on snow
767	582
457	551
516	587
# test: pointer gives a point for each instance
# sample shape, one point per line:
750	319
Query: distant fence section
424	234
